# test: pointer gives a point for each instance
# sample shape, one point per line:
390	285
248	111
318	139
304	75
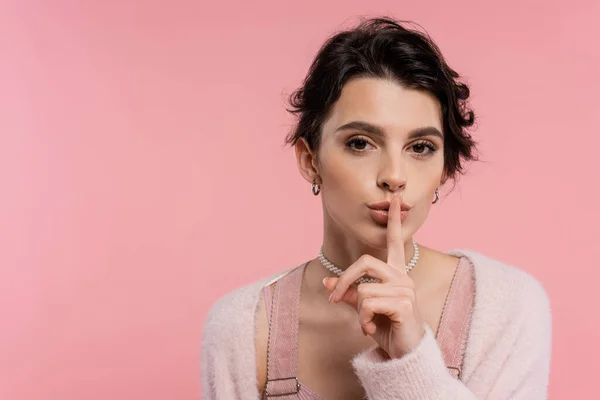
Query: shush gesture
387	311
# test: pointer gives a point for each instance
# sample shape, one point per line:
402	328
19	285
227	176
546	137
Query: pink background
143	175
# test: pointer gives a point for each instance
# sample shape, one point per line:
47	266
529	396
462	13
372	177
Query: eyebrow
375	130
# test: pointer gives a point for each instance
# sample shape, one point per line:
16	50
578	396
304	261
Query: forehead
385	103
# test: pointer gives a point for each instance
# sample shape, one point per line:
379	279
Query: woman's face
380	138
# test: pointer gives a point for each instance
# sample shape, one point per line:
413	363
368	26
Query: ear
307	161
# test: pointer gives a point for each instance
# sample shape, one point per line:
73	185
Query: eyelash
355	139
432	147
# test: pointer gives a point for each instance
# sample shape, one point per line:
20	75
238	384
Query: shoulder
511	324
508	281
235	309
508	298
233	306
228	342
507	291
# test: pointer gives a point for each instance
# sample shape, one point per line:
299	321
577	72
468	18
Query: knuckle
410	294
404	292
365	258
363	320
371	270
412	297
393	239
362	290
367	304
368	263
405	306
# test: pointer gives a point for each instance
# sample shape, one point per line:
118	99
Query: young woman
382	127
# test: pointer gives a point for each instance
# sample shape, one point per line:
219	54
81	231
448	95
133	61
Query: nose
392	175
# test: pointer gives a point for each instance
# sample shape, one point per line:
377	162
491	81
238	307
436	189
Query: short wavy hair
384	48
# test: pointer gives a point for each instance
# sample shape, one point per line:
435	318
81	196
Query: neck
343	251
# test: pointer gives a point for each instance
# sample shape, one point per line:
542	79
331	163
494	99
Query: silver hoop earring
316	189
437	196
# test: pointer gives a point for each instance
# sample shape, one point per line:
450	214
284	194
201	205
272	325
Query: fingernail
333	297
330	297
325	281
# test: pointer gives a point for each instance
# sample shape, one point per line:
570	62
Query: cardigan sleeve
521	374
228	365
215	373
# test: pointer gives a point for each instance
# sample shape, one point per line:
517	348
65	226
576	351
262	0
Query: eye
424	148
357	144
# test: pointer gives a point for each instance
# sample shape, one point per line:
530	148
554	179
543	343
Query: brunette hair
384	48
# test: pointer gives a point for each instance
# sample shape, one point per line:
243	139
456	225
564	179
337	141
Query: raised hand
387	311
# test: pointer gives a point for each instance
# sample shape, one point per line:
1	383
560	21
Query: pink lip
381	216
385	205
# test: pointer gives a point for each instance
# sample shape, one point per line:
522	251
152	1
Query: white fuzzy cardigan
507	355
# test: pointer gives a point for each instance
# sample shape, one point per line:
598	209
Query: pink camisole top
283	313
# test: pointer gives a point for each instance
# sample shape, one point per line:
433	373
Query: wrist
417	339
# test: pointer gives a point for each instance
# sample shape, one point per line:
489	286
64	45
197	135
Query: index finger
395	244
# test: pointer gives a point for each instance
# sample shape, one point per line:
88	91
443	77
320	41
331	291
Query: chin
376	235
373	235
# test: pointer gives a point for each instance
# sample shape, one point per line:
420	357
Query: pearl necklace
327	264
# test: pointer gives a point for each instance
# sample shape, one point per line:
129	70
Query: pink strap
456	318
268	301
283	311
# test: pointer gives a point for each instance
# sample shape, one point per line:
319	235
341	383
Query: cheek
345	178
419	215
422	209
345	190
423	179
427	197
